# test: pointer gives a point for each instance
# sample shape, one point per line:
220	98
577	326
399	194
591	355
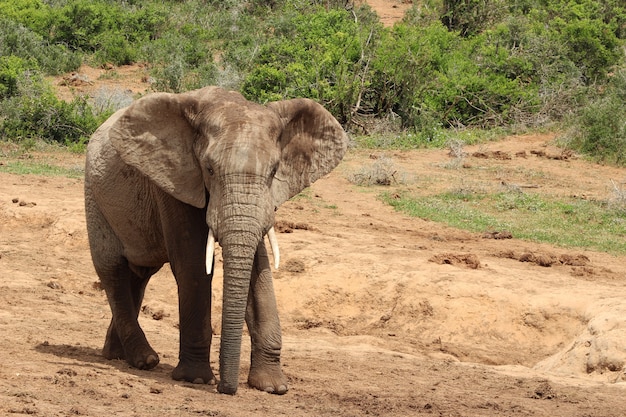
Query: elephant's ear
155	136
312	143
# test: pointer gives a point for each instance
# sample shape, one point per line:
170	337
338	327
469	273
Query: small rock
54	285
24	203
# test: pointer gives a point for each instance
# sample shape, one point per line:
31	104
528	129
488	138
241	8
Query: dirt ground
382	314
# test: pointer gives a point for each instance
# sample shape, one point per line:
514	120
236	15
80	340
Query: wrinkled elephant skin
168	171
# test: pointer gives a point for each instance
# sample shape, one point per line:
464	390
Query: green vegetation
450	64
565	222
452	70
29	109
599	128
37	168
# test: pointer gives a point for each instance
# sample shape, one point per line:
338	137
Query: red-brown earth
382	314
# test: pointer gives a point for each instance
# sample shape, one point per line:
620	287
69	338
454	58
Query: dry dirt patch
371	325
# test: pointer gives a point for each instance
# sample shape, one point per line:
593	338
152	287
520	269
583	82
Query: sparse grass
563	222
456	152
304	195
107	100
38	168
436	138
618	200
382	171
40	158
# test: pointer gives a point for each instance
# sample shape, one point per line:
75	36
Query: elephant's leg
194	295
186	238
264	327
124	290
113	348
125	339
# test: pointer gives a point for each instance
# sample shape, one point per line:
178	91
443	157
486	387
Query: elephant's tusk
271	235
210	250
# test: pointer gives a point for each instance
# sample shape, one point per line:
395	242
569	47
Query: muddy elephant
168	177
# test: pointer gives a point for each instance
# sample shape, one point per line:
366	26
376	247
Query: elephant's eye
274	170
210	170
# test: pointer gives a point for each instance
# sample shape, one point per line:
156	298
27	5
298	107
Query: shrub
322	55
592	46
11	68
432	78
599	129
181	60
470	17
33	111
17	40
33	14
113	32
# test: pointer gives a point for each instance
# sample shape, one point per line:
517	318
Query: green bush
599	129
181	60
432	78
34	112
470	17
592	46
17	40
322	55
112	32
11	69
33	14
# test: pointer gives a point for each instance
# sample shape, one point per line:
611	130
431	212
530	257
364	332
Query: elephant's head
249	158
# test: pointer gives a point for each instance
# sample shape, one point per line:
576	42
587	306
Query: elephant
171	175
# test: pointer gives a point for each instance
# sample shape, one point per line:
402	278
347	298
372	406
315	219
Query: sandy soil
383	315
389	11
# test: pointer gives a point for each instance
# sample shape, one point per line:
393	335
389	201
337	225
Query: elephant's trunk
240	228
238	261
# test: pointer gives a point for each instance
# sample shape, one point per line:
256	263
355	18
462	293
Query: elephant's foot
140	358
194	372
113	349
269	379
146	360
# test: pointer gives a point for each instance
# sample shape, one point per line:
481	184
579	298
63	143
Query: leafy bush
599	129
431	78
33	14
592	46
109	30
181	60
11	68
17	40
33	111
470	17
322	55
